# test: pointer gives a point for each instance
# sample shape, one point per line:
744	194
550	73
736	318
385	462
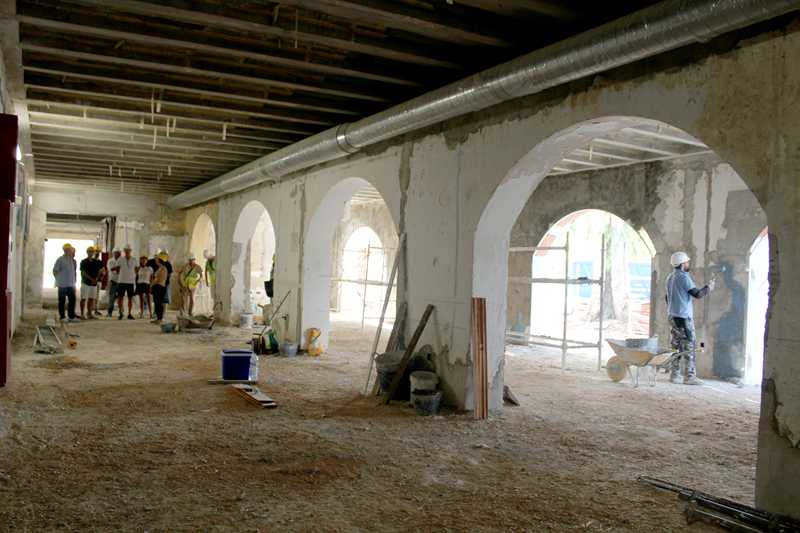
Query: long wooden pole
401	369
377	338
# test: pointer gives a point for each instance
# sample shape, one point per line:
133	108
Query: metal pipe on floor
654	30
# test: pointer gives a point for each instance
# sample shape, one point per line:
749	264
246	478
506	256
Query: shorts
88	292
123	288
142	288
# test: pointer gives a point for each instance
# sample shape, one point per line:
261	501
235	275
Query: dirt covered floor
124	434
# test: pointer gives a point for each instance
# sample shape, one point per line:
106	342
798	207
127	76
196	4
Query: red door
8	183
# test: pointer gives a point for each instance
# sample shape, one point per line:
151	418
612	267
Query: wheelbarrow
637	354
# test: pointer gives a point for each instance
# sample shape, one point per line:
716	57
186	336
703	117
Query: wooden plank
254	396
479	357
220	381
408	353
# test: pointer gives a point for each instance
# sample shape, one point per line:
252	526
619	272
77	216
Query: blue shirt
65	271
679	301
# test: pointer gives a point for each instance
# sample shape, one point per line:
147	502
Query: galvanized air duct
660	28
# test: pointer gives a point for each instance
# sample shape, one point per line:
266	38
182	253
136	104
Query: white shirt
112	263
144	275
127	270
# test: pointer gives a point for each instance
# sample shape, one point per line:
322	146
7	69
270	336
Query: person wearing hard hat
680	292
102	267
126	281
113	278
90	273
65	271
189	278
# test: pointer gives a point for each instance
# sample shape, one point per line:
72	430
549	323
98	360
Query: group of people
147	278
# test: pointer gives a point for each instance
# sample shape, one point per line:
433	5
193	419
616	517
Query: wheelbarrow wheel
616	369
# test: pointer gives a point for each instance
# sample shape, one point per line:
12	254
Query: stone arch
317	254
492	234
254	218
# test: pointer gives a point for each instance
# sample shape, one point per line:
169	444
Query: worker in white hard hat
680	292
189	278
126	282
65	273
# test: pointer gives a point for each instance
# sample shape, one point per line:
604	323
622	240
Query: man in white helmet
680	291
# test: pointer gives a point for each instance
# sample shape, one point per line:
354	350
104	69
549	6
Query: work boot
692	380
675	378
130	317
120	316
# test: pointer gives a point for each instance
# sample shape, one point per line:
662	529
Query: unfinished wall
699	205
458	188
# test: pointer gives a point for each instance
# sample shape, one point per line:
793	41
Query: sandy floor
125	434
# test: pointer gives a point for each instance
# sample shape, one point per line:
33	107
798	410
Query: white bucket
246	321
424	381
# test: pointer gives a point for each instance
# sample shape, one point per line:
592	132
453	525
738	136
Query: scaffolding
364	282
564	342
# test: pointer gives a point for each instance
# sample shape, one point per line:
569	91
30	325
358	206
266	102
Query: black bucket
426	402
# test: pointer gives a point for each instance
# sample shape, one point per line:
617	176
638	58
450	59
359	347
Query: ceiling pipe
665	26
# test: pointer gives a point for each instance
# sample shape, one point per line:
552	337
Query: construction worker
90	273
189	278
127	280
113	276
680	291
98	264
65	271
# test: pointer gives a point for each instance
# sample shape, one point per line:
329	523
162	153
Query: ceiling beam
674	137
198	72
48	105
126	183
71	143
558	170
155	139
168	170
148	9
202	92
170	104
170	44
437	23
165	122
110	157
635	147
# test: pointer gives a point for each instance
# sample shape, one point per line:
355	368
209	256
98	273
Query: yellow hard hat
90	249
163	256
66	246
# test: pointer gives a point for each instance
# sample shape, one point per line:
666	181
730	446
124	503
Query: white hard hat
678	258
128	247
190	257
117	251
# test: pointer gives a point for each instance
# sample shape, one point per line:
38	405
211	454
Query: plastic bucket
246	321
168	327
288	349
422	380
239	364
426	402
386	365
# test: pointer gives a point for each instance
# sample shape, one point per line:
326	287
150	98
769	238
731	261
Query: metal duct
660	28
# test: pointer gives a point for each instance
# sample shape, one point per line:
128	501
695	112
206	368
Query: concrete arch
254	222
317	254
492	234
204	237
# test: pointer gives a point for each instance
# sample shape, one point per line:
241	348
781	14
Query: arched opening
203	243
589	279
252	258
349	248
757	303
363	268
721	206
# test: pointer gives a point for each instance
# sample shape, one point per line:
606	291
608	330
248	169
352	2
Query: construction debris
254	396
47	341
509	398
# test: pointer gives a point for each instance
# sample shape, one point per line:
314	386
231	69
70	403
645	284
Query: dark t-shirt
90	267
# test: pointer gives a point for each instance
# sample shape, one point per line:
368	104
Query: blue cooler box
239	364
